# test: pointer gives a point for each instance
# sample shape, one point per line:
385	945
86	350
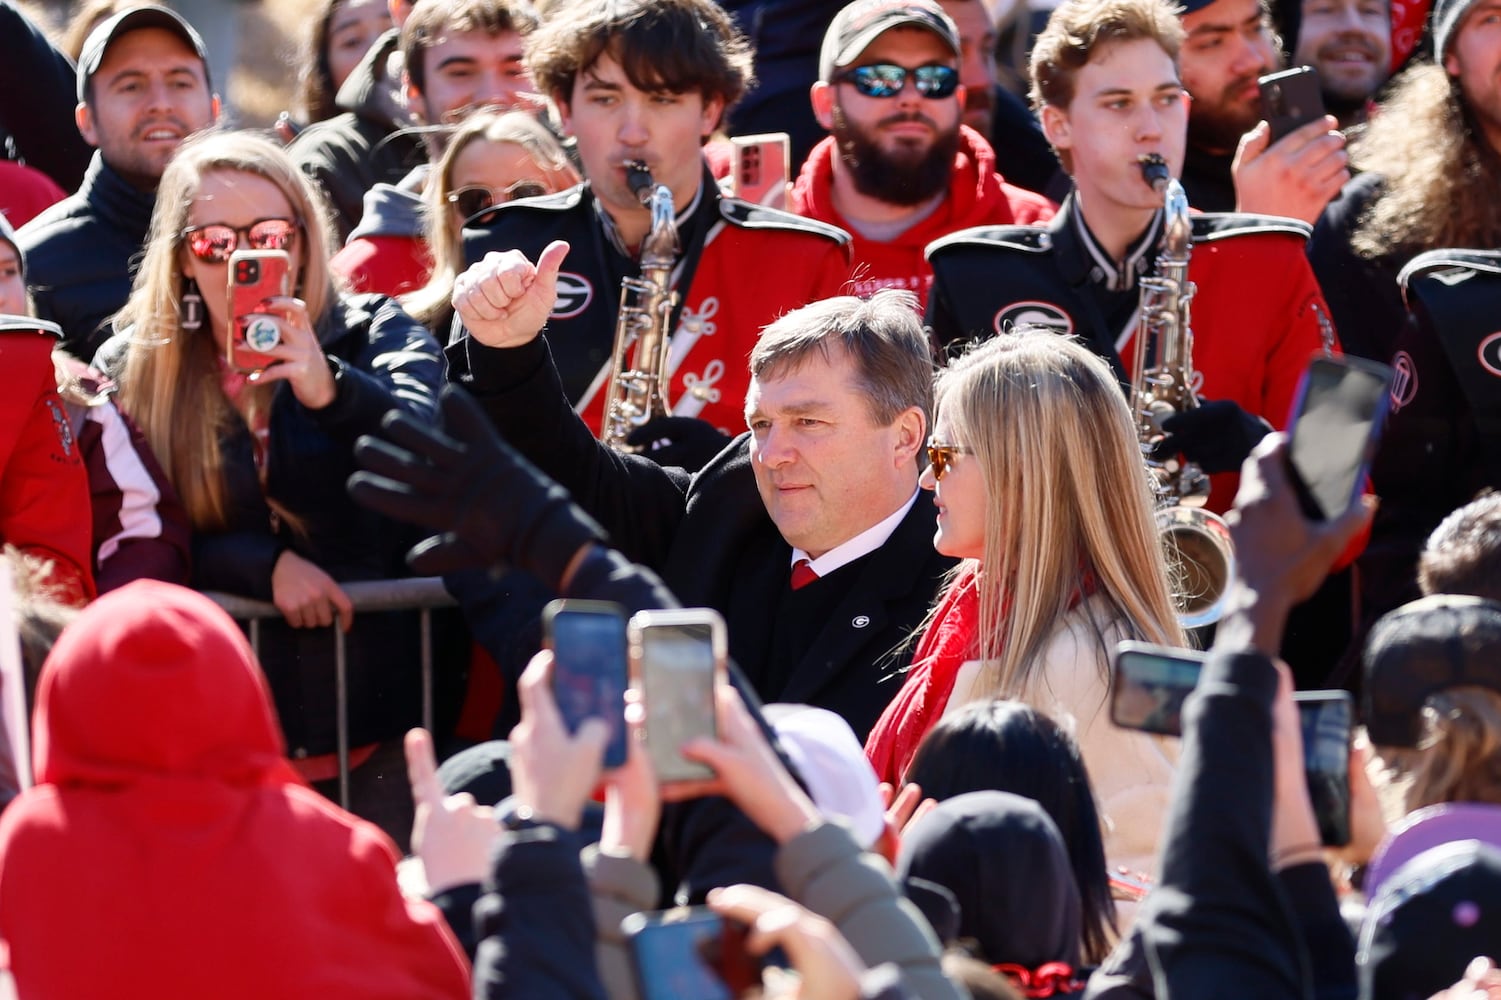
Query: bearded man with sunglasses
900	170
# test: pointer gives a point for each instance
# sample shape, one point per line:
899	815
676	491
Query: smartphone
1291	99
589	667
679	659
254	276
1336	424
690	952
760	168
1150	685
1326	719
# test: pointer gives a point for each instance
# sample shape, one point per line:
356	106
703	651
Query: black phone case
1291	99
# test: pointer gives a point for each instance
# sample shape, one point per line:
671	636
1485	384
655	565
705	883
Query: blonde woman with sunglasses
1041	491
260	457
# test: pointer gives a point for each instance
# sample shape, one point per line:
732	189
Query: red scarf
945	646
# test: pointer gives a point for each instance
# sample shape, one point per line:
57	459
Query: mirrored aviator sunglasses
214	242
888	79
472	199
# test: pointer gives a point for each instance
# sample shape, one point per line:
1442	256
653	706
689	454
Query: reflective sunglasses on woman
472	199
941	456
888	80
214	242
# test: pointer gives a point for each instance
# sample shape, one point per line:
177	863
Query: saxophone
1197	541
638	386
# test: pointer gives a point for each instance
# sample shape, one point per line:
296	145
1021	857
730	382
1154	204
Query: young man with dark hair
899	169
647	81
448	57
143	87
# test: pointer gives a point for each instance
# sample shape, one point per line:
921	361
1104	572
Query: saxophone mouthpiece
1154	170
638	178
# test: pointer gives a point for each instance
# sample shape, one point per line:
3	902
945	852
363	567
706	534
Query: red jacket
44	495
978	196
168	851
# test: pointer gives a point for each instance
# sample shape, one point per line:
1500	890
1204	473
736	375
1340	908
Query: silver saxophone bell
1196	540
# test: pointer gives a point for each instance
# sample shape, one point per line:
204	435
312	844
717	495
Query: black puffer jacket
40	124
81	254
383	359
350	153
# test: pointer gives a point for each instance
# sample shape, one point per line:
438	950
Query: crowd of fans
898	451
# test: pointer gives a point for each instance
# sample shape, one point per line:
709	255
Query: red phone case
254	276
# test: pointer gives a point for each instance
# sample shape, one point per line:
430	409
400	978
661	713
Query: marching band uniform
1258	315
1442	443
740	267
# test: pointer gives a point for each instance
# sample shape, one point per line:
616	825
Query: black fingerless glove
686	442
1217	435
489	505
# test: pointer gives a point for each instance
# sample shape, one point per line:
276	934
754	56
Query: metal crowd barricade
422	593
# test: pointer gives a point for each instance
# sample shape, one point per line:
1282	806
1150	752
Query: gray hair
882	334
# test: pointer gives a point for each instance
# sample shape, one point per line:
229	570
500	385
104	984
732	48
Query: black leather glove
686	442
1216	435
488	503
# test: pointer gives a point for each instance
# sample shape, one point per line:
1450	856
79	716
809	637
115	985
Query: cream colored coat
1132	773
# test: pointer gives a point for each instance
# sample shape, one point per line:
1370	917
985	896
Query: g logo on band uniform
1404	380
1489	353
574	295
1033	313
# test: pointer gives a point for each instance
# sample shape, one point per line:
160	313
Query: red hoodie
978	196
169	851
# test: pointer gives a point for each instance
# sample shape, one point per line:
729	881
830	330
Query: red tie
802	574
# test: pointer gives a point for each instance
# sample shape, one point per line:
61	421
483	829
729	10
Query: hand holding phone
254	277
690	952
748	772
1150	685
589	671
553	772
678	658
1335	428
824	961
1326	718
1290	99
